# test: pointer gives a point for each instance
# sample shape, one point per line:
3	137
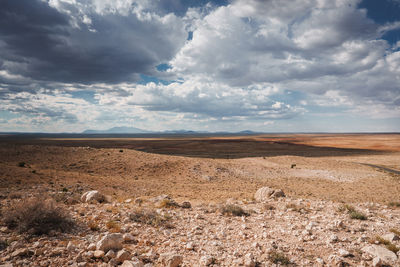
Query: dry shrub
233	210
3	244
278	258
37	216
93	226
394	204
113	226
353	213
151	218
168	203
389	245
395	231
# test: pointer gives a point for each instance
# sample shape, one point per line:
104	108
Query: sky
228	65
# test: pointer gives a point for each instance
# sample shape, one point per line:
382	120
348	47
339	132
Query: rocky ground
332	211
269	231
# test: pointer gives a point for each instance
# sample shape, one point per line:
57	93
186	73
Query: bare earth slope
317	174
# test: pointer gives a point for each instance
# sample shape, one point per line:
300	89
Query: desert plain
197	183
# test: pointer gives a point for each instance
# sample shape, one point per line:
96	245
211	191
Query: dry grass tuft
233	210
278	258
113	226
152	218
37	217
168	203
353	213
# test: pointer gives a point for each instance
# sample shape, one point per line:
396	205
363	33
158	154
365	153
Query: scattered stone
110	241
98	254
384	254
110	254
21	252
128	238
93	195
123	255
207	260
249	260
344	253
171	260
91	247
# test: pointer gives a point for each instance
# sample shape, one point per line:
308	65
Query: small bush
269	207
113	226
278	258
168	203
151	218
395	204
353	213
37	216
21	164
356	215
3	244
233	210
93	226
121	150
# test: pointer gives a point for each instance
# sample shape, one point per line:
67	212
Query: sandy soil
330	170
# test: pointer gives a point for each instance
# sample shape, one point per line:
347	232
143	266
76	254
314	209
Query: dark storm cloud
42	43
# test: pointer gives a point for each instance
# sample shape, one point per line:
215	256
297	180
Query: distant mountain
117	130
183	132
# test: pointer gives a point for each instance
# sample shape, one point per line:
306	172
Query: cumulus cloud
229	62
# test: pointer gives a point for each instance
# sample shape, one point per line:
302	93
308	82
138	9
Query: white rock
263	194
344	253
390	237
384	254
377	262
110	241
206	260
333	238
249	260
92	195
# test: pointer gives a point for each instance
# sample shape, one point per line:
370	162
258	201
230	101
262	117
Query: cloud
84	41
248	62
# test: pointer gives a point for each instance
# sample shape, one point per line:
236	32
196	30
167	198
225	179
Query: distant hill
117	130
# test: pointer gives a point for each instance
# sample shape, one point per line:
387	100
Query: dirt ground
208	169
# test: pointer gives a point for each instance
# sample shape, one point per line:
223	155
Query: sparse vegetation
389	245
168	203
152	218
356	215
292	166
113	226
3	244
21	164
93	226
394	204
269	207
353	213
37	217
121	150
278	258
234	210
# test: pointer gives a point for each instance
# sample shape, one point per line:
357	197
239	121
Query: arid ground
330	167
341	205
